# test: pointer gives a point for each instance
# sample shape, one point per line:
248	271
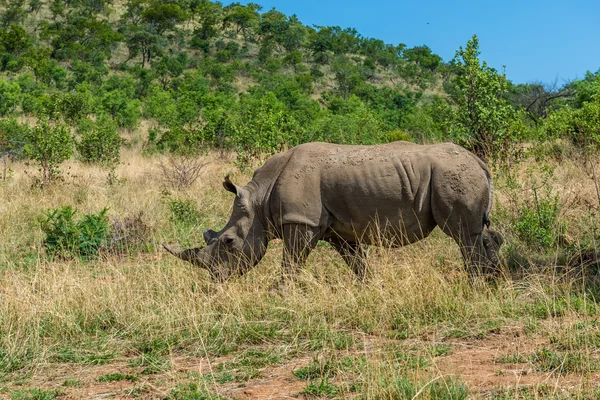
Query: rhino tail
488	176
486	215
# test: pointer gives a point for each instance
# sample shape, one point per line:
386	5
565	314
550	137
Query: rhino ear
230	187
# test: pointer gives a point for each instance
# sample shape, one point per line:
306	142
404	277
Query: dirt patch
278	383
478	364
82	381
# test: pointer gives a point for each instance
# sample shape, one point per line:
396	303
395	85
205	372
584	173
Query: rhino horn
199	256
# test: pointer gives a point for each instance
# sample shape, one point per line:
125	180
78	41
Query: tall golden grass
125	303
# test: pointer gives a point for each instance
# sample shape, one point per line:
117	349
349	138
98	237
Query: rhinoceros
390	194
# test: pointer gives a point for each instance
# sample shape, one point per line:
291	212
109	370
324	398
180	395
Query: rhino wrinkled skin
390	195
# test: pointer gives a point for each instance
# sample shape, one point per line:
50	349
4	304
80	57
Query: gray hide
389	195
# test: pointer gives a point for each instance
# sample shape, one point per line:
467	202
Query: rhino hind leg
475	252
477	246
353	254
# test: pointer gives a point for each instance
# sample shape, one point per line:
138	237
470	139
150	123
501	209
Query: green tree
587	89
294	59
117	98
100	142
9	96
351	122
12	137
245	18
93	7
346	76
44	68
261	126
143	40
14	41
209	16
486	123
34	6
49	145
85	72
579	125
169	67
13	14
73	105
163	16
81	37
423	56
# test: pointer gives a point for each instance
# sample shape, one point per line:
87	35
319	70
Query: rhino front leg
298	242
353	255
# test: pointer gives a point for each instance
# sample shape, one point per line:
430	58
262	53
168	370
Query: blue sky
537	41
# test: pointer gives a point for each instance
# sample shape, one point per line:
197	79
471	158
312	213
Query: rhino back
349	188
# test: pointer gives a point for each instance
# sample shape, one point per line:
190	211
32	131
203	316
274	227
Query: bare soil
476	362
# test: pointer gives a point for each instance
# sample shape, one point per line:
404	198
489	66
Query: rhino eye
228	240
241	206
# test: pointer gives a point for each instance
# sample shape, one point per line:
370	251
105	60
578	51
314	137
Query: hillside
202	74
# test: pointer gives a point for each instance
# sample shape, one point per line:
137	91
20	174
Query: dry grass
153	317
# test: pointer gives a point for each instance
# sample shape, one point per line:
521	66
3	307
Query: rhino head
237	247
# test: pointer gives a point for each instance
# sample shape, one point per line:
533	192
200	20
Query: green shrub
73	105
100	142
581	126
351	122
119	102
184	211
537	223
161	106
261	126
399	134
49	145
9	97
182	140
67	238
125	111
12	137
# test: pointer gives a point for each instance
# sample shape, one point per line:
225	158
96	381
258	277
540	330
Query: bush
351	122
161	106
129	234
581	126
12	137
67	238
184	211
261	126
181	172
537	223
73	105
125	111
184	140
100	142
9	97
118	101
49	145
399	134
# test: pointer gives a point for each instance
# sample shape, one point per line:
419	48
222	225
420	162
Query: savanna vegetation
118	121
